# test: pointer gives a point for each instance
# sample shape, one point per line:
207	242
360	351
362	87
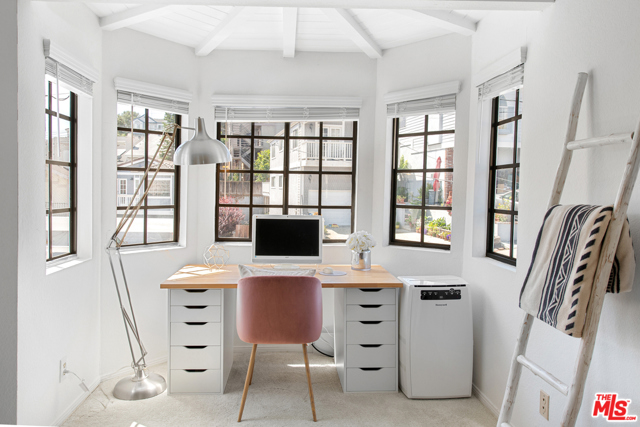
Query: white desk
202	328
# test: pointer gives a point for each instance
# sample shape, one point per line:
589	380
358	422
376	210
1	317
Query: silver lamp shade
201	149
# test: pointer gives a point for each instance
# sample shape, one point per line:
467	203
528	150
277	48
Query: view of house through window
294	168
60	170
422	180
139	134
504	181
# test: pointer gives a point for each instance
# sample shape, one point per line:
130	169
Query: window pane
135	235
46	94
302	211
408	189
161	191
160	225
268	189
411	152
408	225
520	103
337	223
515	237
60	227
269	129
235	128
439	189
304	129
233	222
160	121
46	227
46	185
337	129
60	142
46	135
501	234
336	190
507	105
503	194
267	211
518	141
65	99
437	226
240	149
303	189
263	149
125	115
337	156
60	187
303	155
413	124
446	121
166	147
127	183
234	188
517	199
130	149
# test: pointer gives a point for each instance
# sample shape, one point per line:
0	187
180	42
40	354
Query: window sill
64	264
150	248
248	244
420	249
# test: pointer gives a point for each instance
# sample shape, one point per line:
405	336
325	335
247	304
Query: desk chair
279	310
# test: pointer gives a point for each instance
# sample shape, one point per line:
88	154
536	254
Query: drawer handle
370	290
371	305
196	291
198	370
195	307
370	322
370	345
370	369
195	347
196	323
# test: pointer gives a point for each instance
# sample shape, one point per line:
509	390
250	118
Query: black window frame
176	171
51	115
493	169
424	170
285	172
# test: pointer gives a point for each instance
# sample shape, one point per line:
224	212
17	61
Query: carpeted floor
278	397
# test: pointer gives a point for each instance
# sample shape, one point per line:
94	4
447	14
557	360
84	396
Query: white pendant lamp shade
201	149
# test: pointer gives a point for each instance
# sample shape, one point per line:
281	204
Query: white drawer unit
366	335
195	381
196	296
195	333
195	357
195	313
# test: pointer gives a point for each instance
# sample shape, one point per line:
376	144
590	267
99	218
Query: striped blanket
558	285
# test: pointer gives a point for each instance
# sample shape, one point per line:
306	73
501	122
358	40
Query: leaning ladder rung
599	141
537	370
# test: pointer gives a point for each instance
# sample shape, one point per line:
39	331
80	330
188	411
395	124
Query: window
60	170
139	134
504	177
422	186
292	168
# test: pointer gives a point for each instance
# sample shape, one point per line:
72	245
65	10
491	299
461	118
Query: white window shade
286	113
63	67
149	95
510	80
147	101
435	105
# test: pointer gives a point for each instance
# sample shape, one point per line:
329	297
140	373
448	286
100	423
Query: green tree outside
262	163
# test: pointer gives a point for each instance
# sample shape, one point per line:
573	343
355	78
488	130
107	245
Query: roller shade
285	113
510	80
435	105
68	76
148	101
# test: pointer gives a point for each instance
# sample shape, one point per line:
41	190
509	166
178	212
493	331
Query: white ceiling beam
290	29
355	4
221	32
448	20
354	31
132	16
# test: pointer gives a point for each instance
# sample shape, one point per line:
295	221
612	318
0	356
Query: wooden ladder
575	391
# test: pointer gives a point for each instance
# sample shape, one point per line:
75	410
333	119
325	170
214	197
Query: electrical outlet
544	404
63	366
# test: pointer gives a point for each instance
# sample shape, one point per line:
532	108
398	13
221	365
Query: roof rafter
221	32
356	33
132	16
449	20
289	33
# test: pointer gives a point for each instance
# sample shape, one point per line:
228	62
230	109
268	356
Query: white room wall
58	312
569	37
430	62
9	212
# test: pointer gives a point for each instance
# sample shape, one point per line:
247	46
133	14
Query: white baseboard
77	402
128	370
485	401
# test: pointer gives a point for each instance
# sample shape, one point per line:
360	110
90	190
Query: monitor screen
287	237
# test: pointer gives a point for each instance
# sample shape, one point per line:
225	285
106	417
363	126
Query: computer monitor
287	239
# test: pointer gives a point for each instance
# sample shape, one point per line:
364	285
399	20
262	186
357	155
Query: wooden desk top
200	277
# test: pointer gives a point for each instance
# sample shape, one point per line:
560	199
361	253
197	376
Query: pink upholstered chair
279	310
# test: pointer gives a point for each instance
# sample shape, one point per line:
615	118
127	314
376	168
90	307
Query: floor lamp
199	150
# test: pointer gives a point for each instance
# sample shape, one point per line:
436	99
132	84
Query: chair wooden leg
252	361
306	364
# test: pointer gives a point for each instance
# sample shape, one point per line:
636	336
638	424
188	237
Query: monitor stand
286	267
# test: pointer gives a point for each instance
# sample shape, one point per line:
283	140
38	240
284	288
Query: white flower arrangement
360	241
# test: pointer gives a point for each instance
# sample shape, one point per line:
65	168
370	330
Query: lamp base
142	385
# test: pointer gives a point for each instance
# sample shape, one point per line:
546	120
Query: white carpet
278	397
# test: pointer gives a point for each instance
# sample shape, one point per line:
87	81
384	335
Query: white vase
361	260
